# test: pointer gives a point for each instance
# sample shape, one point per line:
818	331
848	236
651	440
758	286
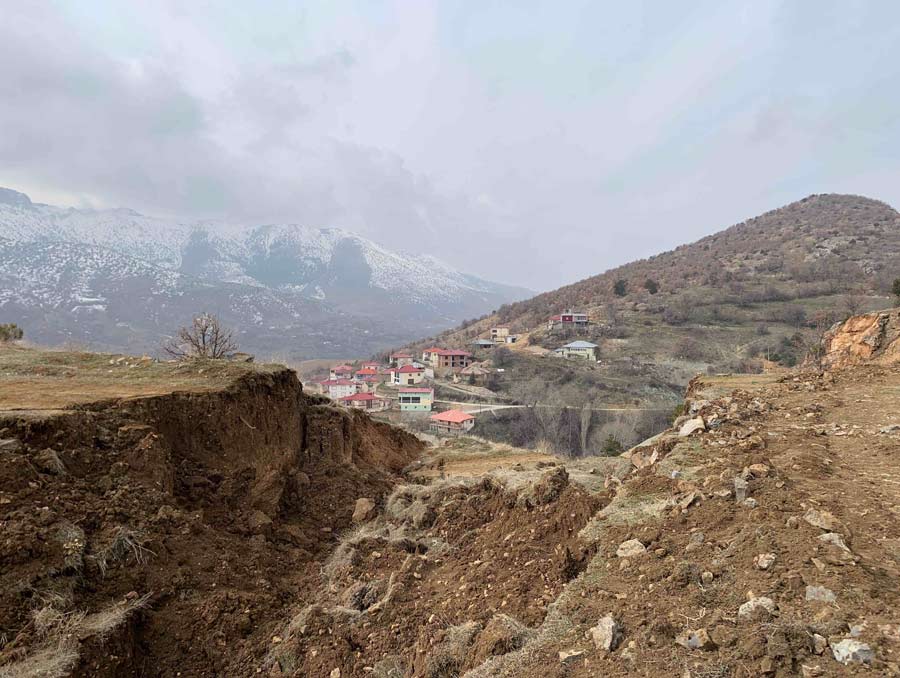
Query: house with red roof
401	359
340	372
339	388
452	422
407	375
365	401
428	353
369	375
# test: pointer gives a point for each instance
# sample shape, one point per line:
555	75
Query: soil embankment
171	534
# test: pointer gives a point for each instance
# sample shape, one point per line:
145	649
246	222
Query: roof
447	351
361	396
452	416
580	344
483	342
432	349
401	355
410	389
337	382
342	368
367	370
475	369
407	369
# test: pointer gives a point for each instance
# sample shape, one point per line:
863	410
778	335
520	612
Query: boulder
696	640
850	651
757	607
764	561
823	520
820	594
364	510
691	426
631	549
607	634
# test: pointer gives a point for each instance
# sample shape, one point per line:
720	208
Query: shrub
651	286
895	289
620	287
10	332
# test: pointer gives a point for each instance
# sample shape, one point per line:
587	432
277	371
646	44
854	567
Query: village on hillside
403	388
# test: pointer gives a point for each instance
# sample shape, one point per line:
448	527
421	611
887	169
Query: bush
895	289
651	286
10	332
620	287
611	447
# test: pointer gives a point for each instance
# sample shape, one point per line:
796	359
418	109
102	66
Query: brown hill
759	294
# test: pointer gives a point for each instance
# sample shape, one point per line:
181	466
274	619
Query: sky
535	142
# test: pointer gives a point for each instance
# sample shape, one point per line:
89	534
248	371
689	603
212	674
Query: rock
750	503
823	520
834	539
607	634
335	673
364	510
696	640
757	607
793	522
570	656
820	594
758	470
691	426
740	489
259	522
850	651
723	636
820	643
695	542
764	561
707	578
48	461
807	671
631	549
893	428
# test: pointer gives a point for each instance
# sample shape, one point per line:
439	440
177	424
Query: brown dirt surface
170	534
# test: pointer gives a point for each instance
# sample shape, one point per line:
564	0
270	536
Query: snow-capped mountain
118	279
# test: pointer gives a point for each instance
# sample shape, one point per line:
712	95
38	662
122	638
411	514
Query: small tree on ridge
203	338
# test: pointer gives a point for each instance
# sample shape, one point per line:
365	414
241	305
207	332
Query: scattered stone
259	522
823	520
696	640
691	426
364	510
757	607
570	656
687	500
834	539
48	461
764	561
807	671
740	489
707	578
893	428
820	594
631	549
695	542
793	522
607	634
335	673
750	503
850	651
758	470
820	643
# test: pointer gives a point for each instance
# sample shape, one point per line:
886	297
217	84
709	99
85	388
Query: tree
620	287
502	357
651	286
611	446
895	289
10	332
203	338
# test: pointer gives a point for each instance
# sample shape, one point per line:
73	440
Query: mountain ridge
329	273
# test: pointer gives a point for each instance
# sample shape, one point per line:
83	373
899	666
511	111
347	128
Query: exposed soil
217	506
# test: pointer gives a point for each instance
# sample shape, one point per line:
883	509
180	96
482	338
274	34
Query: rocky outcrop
869	338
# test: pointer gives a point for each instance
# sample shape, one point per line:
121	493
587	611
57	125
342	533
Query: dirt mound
447	576
171	535
872	338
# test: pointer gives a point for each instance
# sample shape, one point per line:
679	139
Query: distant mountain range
119	280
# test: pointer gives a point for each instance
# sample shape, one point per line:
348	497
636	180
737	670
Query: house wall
423	404
408	379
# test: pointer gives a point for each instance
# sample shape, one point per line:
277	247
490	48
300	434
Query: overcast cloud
532	142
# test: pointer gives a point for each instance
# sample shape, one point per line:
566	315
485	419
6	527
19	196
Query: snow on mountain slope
72	261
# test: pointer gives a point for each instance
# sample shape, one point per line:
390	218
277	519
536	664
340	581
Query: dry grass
33	379
125	544
100	624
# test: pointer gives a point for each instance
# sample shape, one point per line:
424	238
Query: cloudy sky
535	142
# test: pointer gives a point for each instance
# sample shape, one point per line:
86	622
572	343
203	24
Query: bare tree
203	338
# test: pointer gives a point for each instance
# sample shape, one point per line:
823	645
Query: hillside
120	280
211	519
758	294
